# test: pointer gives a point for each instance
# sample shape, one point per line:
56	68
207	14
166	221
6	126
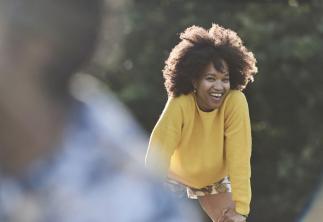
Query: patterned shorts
222	186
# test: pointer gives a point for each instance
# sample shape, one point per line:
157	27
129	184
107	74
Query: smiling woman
202	140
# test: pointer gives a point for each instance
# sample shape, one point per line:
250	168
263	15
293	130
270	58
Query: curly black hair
197	48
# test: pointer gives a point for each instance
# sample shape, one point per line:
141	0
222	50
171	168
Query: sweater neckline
204	113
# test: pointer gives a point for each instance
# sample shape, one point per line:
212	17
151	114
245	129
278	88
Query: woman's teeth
217	95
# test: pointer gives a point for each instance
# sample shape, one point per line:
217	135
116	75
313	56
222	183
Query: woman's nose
218	85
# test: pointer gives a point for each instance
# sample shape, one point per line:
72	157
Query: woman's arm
238	150
165	138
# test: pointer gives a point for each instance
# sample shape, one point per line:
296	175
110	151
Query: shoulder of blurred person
96	173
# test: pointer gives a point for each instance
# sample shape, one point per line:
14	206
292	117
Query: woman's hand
230	215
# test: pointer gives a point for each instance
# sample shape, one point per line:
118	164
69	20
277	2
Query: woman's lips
216	96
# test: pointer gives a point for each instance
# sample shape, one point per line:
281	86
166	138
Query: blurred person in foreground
202	140
66	157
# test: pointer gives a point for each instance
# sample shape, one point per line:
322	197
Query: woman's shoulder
237	99
182	100
236	96
183	104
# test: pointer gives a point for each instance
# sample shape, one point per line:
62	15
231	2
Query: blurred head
56	37
42	44
198	49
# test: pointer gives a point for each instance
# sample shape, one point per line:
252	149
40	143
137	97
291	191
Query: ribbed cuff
242	209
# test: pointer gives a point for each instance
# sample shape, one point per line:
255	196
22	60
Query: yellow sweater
199	148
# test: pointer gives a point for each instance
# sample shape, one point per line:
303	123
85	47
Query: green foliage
286	100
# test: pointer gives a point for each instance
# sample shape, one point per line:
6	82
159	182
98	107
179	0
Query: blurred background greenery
285	101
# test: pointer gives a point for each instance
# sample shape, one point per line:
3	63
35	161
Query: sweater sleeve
238	150
165	138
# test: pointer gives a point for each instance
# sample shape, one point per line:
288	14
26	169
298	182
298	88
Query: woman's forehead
213	68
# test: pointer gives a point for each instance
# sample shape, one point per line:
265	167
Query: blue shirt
94	175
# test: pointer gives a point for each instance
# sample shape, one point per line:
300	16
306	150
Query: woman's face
212	87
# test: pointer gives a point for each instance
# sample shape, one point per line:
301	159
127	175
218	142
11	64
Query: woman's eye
210	78
226	80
